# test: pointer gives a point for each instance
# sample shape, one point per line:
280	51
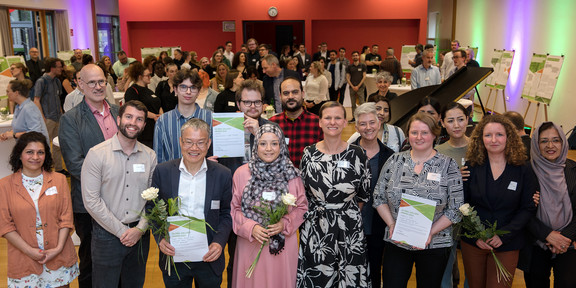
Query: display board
67	54
408	53
5	74
501	61
542	77
146	51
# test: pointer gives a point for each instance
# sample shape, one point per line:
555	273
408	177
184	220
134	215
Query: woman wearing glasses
139	91
553	230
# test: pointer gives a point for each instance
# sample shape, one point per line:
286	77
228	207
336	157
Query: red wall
353	34
333	21
203	37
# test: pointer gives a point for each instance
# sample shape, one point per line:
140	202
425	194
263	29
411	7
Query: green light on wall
478	19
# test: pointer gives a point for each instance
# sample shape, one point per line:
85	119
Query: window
108	35
33	29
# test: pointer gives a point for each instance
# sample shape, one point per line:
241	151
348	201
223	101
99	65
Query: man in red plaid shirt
299	126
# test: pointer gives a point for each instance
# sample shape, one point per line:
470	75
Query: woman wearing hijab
268	175
554	227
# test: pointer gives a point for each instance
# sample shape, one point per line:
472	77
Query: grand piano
452	89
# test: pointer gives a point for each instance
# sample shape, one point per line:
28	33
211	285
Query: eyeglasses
555	141
92	84
256	103
183	89
199	144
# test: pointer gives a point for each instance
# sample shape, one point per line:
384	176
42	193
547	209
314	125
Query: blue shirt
27	117
167	132
422	77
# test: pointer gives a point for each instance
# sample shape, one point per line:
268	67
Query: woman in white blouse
316	88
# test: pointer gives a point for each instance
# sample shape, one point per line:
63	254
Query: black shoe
63	171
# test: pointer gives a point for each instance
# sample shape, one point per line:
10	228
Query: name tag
253	60
433	177
269	195
139	168
215	204
359	69
343	164
51	191
231	104
512	186
427	78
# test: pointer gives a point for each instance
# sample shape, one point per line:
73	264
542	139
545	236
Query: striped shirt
167	132
398	177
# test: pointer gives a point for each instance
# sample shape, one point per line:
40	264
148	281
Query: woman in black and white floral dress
337	178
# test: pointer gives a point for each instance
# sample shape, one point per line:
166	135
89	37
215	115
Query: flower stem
253	266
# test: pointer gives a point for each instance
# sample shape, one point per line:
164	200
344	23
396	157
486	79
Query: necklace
422	160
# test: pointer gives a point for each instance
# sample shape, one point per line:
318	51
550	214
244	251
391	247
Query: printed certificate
414	220
228	134
188	238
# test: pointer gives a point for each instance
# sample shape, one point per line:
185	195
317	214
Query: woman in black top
139	91
226	100
383	82
165	89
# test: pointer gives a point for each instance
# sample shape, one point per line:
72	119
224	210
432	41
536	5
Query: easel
496	98
536	114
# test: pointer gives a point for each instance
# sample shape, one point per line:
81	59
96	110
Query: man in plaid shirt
299	126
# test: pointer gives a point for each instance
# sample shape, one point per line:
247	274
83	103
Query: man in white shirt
205	191
228	53
448	64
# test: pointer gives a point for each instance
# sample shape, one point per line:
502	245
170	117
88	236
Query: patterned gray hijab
267	177
555	209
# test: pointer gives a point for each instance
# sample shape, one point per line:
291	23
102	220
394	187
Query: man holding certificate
418	195
205	191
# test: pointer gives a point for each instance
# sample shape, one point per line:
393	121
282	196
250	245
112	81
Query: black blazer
512	207
378	224
307	61
166	178
268	83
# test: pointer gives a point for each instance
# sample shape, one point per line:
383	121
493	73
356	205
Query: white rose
288	199
465	209
150	194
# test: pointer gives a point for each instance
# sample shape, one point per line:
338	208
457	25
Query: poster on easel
408	54
542	78
146	51
504	69
501	61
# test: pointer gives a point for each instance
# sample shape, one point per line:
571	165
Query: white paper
228	134
188	238
414	220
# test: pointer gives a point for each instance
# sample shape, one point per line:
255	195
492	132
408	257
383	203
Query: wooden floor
154	276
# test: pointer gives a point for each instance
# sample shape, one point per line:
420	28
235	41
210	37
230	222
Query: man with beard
299	126
83	127
114	174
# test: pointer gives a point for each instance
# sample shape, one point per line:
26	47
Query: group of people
347	193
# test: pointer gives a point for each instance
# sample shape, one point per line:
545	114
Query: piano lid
452	89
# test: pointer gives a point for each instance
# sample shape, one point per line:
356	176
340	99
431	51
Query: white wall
526	26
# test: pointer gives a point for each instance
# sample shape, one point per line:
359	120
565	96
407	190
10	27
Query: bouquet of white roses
476	229
272	216
158	215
